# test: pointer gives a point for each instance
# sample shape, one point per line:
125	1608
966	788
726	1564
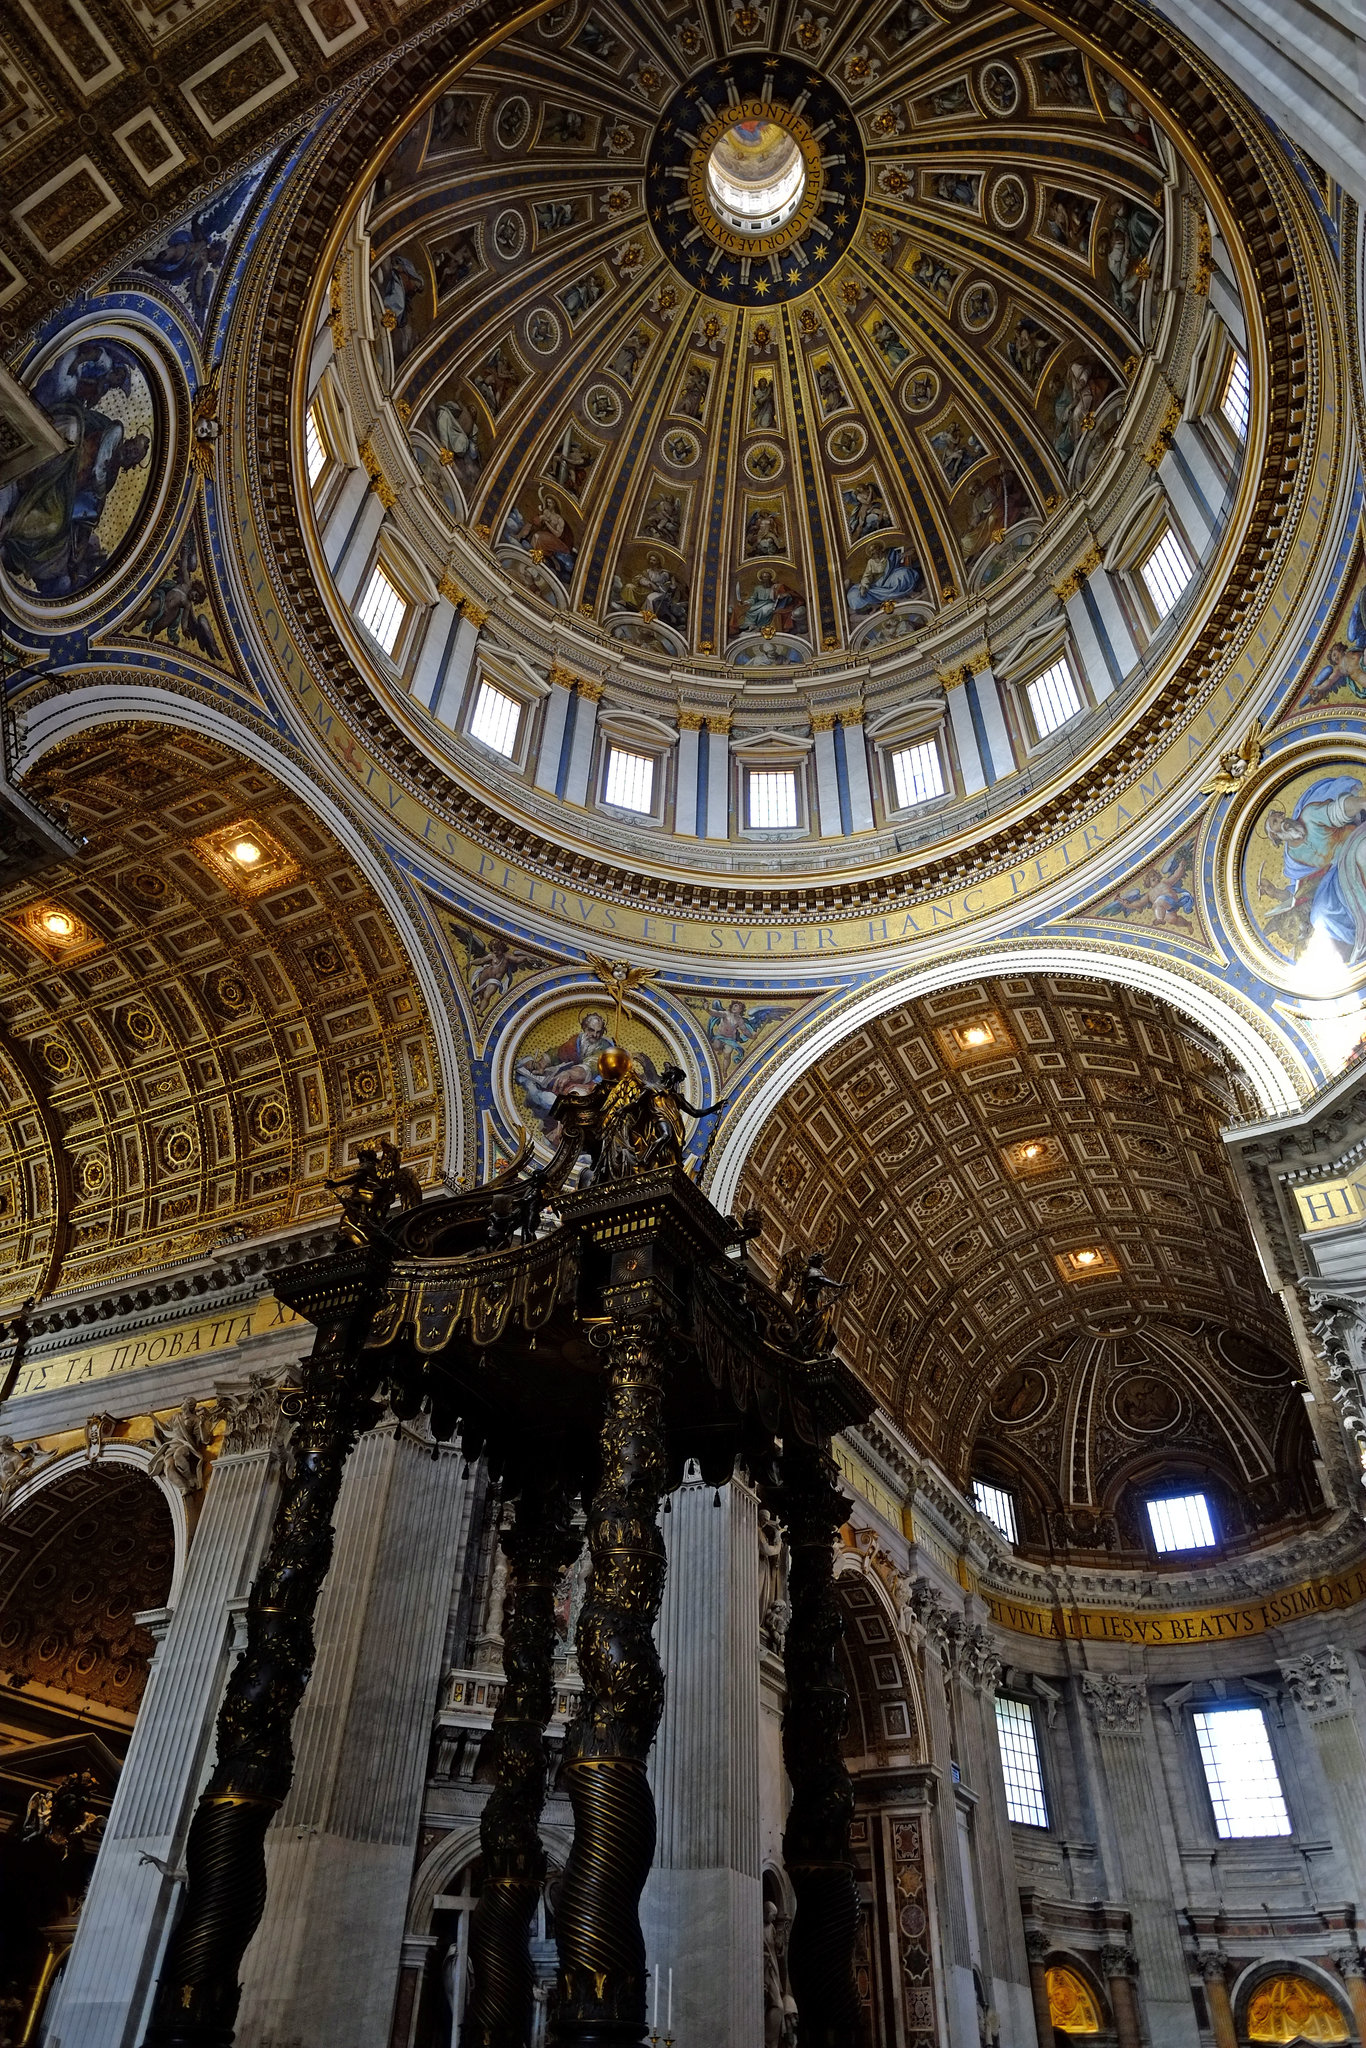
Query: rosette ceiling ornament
766	332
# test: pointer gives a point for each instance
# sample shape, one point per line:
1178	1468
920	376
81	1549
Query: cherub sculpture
380	1179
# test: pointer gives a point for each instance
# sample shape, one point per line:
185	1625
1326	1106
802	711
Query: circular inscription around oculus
1022	1397
772	162
71	522
1145	1404
1299	877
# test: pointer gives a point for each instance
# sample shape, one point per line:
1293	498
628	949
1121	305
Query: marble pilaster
702	1911
134	1888
324	1964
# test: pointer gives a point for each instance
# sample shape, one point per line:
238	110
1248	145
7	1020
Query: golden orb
615	1063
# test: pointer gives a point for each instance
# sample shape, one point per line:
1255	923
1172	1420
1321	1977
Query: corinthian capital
1319	1680
1116	1703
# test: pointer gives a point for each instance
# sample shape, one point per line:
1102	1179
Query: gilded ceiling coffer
589	1344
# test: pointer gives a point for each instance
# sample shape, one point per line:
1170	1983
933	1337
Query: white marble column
554	718
685	790
1107	616
856	772
587	696
324	1965
342	516
449	691
1194	450
355	554
1098	661
1192	514
134	1889
965	737
992	713
827	774
430	666
702	1911
718	778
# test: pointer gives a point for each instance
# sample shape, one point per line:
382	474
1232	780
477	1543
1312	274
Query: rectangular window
772	797
1235	400
1020	1762
495	719
998	1506
1182	1523
381	610
1166	570
1054	697
630	780
1244	1784
918	774
315	451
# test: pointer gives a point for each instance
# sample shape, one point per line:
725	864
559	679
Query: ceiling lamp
1085	1258
1031	1151
59	924
246	853
977	1034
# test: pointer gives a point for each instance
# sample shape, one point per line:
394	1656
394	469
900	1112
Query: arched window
1292	2009
1072	2004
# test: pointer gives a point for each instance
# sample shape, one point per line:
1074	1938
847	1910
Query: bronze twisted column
816	1839
539	1546
597	1923
198	1992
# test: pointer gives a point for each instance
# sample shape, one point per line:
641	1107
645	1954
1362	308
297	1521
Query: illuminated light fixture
977	1034
1031	1151
247	857
59	924
246	853
1091	1262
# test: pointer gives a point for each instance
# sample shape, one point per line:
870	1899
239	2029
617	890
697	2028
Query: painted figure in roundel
63	525
1304	868
561	1055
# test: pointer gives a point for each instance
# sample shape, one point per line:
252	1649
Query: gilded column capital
477	614
1117	1959
1162	441
373	468
977	663
451	591
560	677
718	721
850	714
1212	1964
690	721
589	687
822	721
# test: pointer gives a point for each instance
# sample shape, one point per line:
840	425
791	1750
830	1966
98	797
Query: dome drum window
1243	1782
629	781
1054	697
382	611
917	774
495	719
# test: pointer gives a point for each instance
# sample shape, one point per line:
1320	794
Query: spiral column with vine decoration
597	1925
816	1839
539	1546
198	1992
